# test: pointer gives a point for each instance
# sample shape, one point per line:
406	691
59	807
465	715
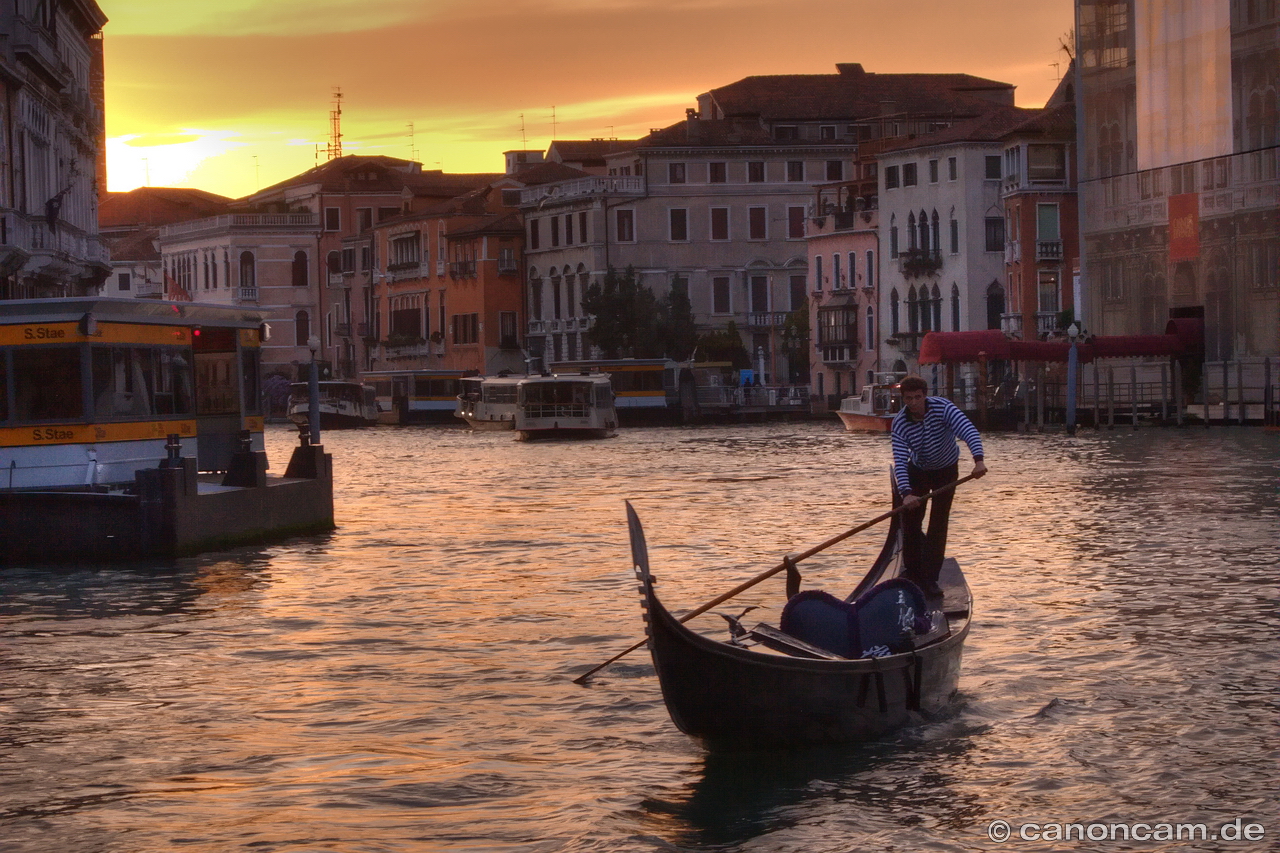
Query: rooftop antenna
413	147
524	143
553	122
335	125
1057	72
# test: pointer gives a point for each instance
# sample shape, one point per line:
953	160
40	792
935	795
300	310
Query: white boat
565	406
873	409
343	405
488	402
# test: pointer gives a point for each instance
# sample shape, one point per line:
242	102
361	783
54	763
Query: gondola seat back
884	620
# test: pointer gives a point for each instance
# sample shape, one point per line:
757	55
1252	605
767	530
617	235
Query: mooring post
1177	391
1097	398
1240	390
1133	393
1040	397
1164	393
1267	399
1111	397
1226	392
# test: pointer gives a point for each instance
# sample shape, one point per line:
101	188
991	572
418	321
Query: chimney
850	69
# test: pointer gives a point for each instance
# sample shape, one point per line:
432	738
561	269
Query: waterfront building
52	147
942	226
1042	246
716	204
844	262
1179	190
130	222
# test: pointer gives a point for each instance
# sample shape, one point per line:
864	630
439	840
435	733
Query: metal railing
616	185
241	220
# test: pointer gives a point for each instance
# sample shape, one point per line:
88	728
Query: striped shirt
931	443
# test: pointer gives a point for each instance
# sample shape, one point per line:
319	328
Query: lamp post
1073	364
313	391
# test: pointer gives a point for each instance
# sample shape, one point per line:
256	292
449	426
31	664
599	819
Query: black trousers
923	553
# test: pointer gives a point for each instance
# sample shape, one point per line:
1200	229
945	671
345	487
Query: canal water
404	684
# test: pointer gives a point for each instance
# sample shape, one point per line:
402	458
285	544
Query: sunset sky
233	95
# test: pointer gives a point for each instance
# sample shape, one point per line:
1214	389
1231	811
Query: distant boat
873	409
572	406
488	403
343	405
833	671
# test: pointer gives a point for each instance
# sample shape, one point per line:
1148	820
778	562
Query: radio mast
335	125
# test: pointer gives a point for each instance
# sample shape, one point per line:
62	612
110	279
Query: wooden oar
771	572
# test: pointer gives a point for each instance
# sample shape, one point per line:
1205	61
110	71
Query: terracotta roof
1056	122
135	245
359	173
855	94
590	151
991	127
157	206
548	173
710	133
511	223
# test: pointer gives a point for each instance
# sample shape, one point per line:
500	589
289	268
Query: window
951	168
795	223
756	223
835	170
995	233
1046	163
933	171
891	177
716	173
568	229
555	231
853	269
836	278
871	269
507	330
759	294
908	174
301	329
911	232
786	132
535	237
795	170
679	220
798	294
893	311
332	219
893	236
1047	291
955	236
48	384
871	329
366	258
248	272
348	263
404	252
123	281
817	273
675	173
936	242
364	219
299	270
719	223
993	167
466	328
406	316
827	132
720	302
1047	223
755	171
626	222
582	226
955	307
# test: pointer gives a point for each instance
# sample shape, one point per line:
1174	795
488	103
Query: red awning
963	347
1128	346
1043	351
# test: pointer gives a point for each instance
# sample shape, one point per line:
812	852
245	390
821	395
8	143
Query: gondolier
926	456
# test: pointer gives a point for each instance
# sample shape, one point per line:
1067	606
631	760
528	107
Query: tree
631	322
724	345
795	344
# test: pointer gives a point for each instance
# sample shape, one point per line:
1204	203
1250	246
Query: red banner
1184	227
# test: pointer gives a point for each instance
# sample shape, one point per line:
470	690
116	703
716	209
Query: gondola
766	688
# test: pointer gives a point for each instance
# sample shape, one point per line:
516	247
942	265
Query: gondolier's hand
979	468
910	502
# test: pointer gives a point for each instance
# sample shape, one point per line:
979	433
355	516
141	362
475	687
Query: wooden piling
1164	393
1177	391
1111	397
1133	393
1240	391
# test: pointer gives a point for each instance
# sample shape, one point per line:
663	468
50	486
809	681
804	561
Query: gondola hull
727	694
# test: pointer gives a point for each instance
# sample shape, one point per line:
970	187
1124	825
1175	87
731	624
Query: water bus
343	405
415	396
133	428
488	403
644	389
559	406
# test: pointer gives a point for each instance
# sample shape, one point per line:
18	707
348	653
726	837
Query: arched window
301	328
893	235
893	311
955	307
299	269
913	319
924	232
817	272
871	329
871	269
911	232
835	271
853	267
937	307
248	276
937	242
995	304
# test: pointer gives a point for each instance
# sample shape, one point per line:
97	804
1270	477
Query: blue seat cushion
883	620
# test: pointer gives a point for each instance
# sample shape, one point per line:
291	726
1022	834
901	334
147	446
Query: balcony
537	327
555	326
462	269
1046	322
918	263
1049	250
508	266
342	330
241	221
629	185
249	294
767	319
